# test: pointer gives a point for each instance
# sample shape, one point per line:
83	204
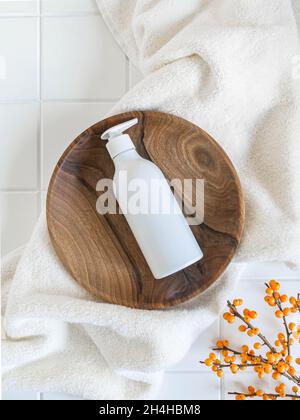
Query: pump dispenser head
117	141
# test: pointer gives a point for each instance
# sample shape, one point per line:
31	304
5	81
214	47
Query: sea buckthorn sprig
247	318
265	358
280	393
274	299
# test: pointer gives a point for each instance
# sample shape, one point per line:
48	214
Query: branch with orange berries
276	360
280	393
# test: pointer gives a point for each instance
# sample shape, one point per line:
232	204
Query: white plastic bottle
150	207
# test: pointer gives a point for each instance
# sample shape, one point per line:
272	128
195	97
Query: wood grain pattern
101	253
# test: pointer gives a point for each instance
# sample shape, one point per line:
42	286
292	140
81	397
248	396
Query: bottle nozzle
120	142
118	130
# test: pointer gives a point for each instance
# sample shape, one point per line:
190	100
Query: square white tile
62	123
18	7
68	6
81	60
18	146
189	386
199	351
18	396
18	59
253	293
135	75
271	270
19	213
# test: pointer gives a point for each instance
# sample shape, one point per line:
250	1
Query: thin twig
263	360
235	352
291	378
288	333
229	365
250	326
268	395
265	341
238	353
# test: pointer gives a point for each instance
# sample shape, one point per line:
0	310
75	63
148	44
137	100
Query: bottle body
154	215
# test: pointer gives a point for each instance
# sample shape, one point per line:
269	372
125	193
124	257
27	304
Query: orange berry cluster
248	317
274	298
277	360
281	390
213	362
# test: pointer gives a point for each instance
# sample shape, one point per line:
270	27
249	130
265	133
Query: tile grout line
82	101
19	16
61	101
39	151
41	108
19	101
40	396
71	15
50	15
19	191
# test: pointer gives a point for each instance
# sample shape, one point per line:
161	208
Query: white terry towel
227	66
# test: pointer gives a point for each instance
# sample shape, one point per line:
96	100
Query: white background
64	71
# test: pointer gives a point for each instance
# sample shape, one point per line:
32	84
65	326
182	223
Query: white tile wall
68	6
95	73
190	386
18	7
19	52
21	396
19	212
19	146
61	71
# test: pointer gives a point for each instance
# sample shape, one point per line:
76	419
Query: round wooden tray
100	251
